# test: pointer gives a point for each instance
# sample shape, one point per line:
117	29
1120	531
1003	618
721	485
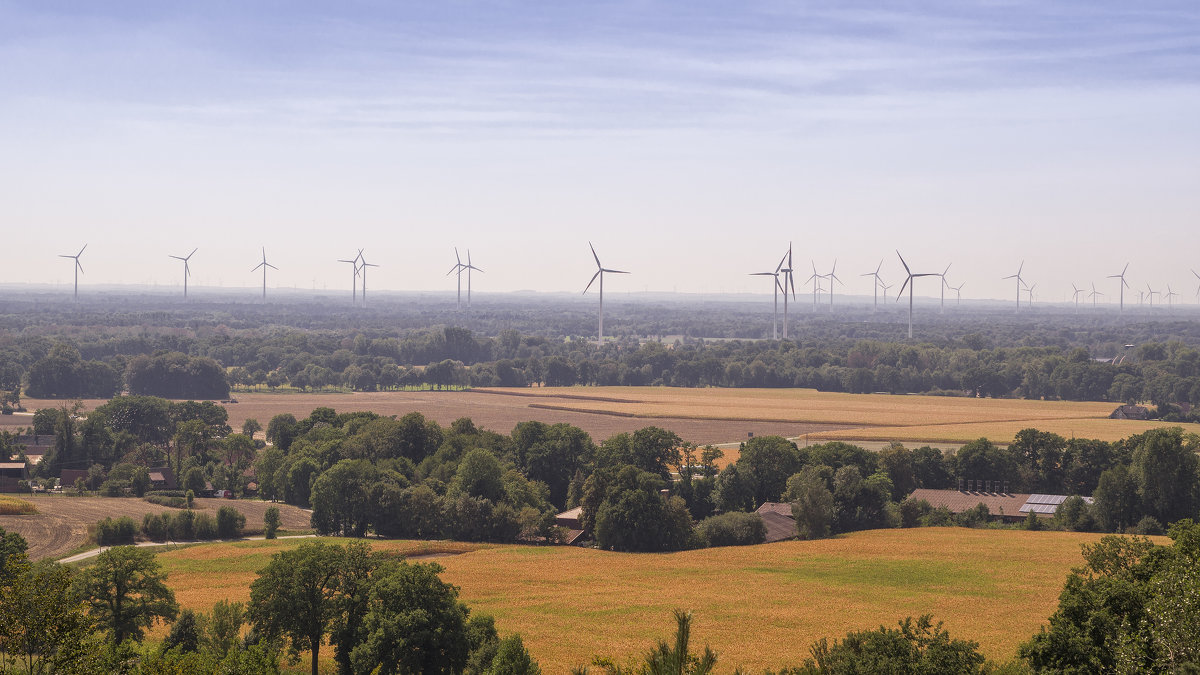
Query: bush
165	493
1148	526
190	496
271	522
206	527
114	487
110	532
733	529
939	517
913	512
229	523
183	525
978	516
172	502
156	527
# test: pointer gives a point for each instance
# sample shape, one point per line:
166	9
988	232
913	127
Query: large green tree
126	592
296	596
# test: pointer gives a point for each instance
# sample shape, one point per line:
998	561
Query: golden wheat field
13	506
759	606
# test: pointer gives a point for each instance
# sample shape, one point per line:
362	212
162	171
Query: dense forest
202	351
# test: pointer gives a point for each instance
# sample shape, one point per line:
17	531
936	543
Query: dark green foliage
765	463
229	523
813	505
732	529
294	596
977	516
271	522
513	659
630	514
917	647
114	532
126	593
1075	515
1116	503
176	375
340	498
185	633
64	374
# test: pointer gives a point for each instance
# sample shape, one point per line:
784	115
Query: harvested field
62	522
1002	432
759	606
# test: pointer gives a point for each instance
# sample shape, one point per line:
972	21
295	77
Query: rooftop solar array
1046	499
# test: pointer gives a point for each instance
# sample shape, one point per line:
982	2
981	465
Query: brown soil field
497	410
758	606
62	522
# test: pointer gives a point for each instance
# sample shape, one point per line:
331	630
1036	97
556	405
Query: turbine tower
832	277
816	279
264	265
1094	294
1150	292
788	282
945	285
187	271
877	284
1170	294
1029	290
1075	296
458	270
600	270
1123	285
469	268
1197	287
363	268
909	284
958	293
78	269
775	279
1020	283
354	277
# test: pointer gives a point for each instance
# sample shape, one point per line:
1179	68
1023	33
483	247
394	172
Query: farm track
62	522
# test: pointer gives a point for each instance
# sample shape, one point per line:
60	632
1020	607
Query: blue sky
689	141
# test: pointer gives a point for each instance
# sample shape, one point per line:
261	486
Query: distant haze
689	141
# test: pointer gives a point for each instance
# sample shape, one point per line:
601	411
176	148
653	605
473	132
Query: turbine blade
615	271
81	251
598	265
903	263
903	286
598	273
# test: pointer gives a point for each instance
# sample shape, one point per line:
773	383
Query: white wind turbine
789	282
363	268
1020	283
1094	294
78	268
1029	290
775	283
909	284
816	279
958	293
354	277
457	269
1123	285
1197	287
264	265
1151	293
832	277
878	281
1170	294
187	271
1076	294
470	267
600	270
945	285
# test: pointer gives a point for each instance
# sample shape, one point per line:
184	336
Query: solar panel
1046	499
1039	508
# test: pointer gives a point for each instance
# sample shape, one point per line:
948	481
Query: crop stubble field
759	606
62	522
706	416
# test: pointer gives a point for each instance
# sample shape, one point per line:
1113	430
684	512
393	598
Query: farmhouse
777	516
11	473
1009	507
1130	412
569	520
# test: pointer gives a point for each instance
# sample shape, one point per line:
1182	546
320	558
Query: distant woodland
202	351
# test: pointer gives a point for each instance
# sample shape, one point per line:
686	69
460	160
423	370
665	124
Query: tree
186	633
1168	475
414	623
634	517
126	592
341	498
251	426
812	503
766	462
271	522
41	621
480	475
294	596
513	659
913	647
1115	504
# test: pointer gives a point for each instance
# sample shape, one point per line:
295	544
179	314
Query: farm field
709	416
61	524
759	606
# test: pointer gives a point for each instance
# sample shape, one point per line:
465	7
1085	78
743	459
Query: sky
690	142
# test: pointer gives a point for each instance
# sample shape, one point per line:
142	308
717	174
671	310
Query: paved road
147	544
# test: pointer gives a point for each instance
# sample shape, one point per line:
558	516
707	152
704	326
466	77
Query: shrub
229	523
206	527
913	511
939	517
1148	526
166	493
733	529
183	525
191	498
172	502
110	532
978	516
156	527
271	522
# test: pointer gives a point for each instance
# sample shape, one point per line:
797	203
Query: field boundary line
578	397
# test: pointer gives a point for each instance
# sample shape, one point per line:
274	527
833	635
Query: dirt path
62	522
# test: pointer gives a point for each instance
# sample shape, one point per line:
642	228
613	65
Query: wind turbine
1020	283
1197	287
600	270
885	290
264	265
187	272
1029	290
1075	296
458	268
958	293
877	284
832	277
1124	284
945	285
816	279
909	284
469	268
789	281
354	277
78	269
775	278
1170	294
1094	294
363	267
1151	293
